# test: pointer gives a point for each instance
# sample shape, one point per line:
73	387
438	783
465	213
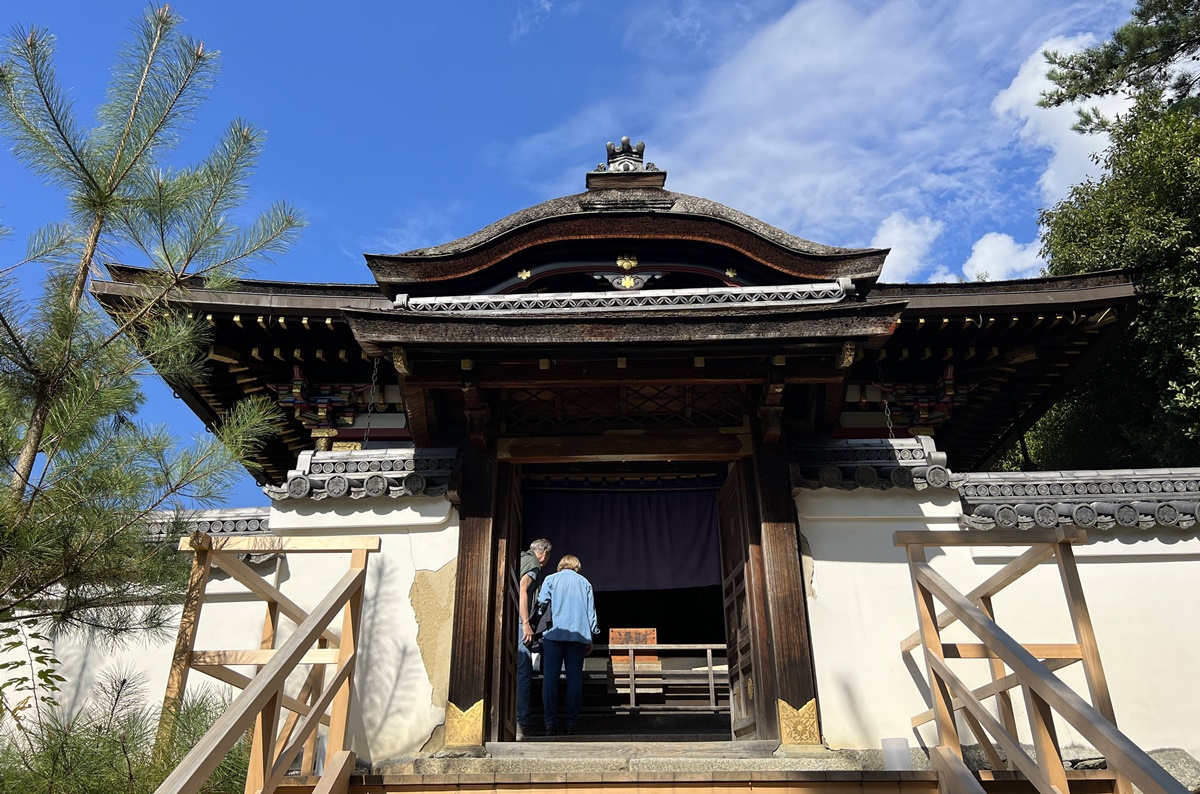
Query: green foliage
108	745
1140	406
86	476
1152	53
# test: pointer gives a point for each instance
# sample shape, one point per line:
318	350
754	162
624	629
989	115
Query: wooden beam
650	373
1004	706
209	658
474	615
992	537
266	724
307	727
273	544
561	449
1012	747
417	413
969	650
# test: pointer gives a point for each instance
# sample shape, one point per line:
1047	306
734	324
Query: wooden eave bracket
477	411
770	406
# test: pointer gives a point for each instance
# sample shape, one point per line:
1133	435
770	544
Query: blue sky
394	125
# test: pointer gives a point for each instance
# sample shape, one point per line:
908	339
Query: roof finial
626	159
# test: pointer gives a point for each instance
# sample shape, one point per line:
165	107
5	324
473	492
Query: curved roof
629	200
621	214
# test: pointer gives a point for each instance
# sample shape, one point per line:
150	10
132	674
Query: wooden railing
324	698
1032	668
717	683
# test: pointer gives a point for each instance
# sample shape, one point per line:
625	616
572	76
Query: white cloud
1050	128
910	242
531	14
996	257
840	121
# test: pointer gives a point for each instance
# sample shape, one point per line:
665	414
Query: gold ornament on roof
730	272
626	261
524	275
627	282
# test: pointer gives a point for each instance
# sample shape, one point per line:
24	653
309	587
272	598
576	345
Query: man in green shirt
530	583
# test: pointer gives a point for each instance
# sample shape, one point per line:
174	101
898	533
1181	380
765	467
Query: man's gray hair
541	544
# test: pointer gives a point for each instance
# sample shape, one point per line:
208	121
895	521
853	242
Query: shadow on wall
396	689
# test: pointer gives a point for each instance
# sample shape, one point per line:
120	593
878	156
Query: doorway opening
649	541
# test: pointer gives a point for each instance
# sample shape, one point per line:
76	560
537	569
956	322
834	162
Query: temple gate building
759	453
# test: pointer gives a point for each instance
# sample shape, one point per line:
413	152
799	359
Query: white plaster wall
231	618
396	707
1143	591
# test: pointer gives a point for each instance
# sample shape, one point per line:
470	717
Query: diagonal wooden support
308	726
1000	686
199	764
232	677
266	591
1130	759
990	587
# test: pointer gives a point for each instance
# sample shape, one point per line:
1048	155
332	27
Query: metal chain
371	402
887	408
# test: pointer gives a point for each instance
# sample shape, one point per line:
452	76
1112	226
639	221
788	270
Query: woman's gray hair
541	544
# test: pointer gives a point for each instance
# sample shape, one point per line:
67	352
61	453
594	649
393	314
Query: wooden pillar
470	642
787	612
339	712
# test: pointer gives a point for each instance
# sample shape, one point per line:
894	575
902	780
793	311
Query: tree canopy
1140	403
1153	53
84	473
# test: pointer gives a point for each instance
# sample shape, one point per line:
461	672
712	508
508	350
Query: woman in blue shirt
573	622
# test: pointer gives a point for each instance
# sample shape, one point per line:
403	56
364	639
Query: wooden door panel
739	623
508	553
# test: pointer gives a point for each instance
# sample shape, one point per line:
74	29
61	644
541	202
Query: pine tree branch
192	71
161	15
52	112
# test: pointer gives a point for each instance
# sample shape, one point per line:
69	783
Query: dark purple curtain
629	536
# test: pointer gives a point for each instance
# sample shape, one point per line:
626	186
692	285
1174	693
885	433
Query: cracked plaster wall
402	675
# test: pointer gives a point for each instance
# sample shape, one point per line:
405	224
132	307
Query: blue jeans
524	677
556	653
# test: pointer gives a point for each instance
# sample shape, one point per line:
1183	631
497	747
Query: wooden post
1081	620
474	617
1004	706
339	716
308	763
931	641
262	747
336	779
1045	740
787	610
185	643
